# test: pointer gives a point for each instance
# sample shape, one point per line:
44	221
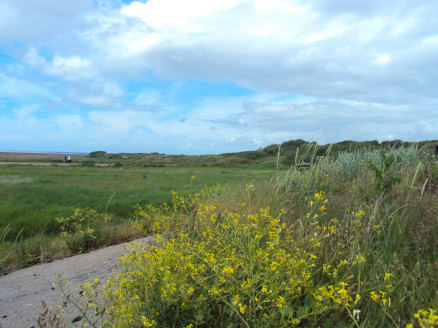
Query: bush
230	270
212	268
81	229
97	154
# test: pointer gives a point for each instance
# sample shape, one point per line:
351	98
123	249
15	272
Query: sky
209	76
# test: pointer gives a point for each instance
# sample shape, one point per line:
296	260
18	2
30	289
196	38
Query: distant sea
42	152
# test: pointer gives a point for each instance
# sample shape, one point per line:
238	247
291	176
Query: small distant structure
67	159
302	166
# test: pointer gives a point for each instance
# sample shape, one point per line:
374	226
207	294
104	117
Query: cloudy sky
212	76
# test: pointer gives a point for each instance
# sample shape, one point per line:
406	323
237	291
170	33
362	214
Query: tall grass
346	167
397	231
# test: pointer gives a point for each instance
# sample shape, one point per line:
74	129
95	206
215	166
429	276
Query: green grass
48	192
31	197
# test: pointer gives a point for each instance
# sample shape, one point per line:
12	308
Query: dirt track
22	291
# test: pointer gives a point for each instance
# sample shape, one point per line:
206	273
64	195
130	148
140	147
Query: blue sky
204	76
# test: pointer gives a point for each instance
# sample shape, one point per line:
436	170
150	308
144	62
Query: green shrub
384	181
81	229
97	154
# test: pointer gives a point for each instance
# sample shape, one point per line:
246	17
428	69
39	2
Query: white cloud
93	100
69	122
16	88
120	122
113	89
317	48
244	123
73	68
362	69
149	97
272	121
430	41
161	14
41	22
382	60
286	46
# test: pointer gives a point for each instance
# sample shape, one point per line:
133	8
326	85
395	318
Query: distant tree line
289	150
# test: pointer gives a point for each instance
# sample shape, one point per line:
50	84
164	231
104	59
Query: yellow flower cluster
381	298
241	268
81	228
81	221
337	294
246	267
426	319
359	214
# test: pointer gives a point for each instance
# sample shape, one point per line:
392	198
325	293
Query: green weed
384	181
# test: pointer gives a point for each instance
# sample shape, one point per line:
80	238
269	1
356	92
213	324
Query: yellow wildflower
280	301
228	270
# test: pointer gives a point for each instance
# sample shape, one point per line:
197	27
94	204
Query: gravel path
22	291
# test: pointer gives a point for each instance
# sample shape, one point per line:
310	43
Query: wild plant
257	268
81	229
384	181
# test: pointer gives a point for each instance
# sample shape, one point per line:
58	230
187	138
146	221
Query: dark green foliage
384	181
271	149
293	144
97	154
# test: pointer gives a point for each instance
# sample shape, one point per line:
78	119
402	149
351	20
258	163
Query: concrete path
22	291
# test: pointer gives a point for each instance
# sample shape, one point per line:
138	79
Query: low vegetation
49	212
271	157
350	241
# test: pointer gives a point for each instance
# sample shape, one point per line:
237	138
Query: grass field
31	197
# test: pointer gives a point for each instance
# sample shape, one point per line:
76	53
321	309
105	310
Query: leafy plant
82	228
384	181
